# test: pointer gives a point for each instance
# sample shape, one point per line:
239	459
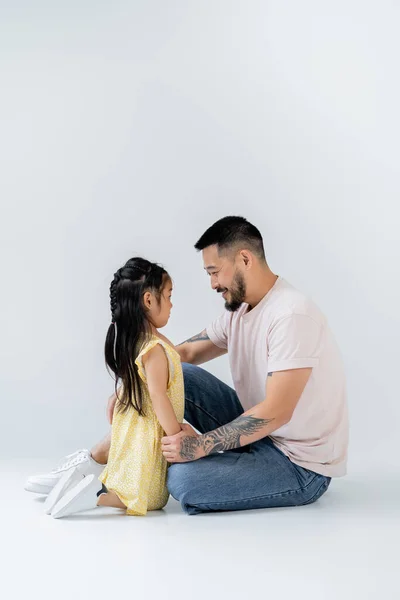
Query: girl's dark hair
130	327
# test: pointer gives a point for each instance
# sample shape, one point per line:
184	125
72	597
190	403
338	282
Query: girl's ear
147	300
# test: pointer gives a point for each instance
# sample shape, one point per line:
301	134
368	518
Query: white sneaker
66	482
43	484
83	496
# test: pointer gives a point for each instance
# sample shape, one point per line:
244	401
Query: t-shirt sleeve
218	331
294	342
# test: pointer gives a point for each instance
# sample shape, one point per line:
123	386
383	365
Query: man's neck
264	282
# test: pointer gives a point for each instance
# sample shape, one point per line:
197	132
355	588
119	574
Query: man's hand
110	407
182	447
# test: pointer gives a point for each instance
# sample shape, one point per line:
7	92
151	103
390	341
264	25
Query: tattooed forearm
197	338
226	437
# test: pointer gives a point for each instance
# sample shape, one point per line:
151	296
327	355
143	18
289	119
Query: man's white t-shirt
286	330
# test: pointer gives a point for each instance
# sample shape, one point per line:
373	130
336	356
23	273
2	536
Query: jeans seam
324	484
203	411
269	496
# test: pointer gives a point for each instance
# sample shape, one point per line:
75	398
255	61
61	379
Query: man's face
226	278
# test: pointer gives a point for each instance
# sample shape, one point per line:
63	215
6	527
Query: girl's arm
156	367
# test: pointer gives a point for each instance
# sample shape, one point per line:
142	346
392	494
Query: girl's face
159	313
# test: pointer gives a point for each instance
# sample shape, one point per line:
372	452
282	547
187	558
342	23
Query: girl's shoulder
152	341
173	358
147	344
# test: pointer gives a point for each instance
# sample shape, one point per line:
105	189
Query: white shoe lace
71	460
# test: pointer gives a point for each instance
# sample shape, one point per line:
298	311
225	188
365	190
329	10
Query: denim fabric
254	476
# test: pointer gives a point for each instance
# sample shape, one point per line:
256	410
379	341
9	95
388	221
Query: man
282	434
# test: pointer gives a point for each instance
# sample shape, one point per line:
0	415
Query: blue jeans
254	476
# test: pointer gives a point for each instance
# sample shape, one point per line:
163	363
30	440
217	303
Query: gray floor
346	546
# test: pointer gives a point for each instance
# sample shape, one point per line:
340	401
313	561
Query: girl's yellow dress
136	469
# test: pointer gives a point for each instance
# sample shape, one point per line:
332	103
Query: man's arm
199	349
284	389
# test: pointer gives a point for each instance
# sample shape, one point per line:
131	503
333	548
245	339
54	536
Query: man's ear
246	257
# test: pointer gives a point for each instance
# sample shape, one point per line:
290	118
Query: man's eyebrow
210	267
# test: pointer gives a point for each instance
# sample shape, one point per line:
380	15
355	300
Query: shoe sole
60	489
37	488
64	504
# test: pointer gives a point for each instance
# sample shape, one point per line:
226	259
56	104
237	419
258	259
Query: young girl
150	400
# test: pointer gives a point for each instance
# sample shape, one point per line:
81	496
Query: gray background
130	127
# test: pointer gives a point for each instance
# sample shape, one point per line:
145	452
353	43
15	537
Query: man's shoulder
288	301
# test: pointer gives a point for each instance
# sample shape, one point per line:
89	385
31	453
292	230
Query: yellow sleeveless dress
136	469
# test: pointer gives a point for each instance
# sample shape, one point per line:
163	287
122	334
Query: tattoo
189	446
226	437
270	374
197	338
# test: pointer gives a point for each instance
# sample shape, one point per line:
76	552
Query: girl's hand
182	447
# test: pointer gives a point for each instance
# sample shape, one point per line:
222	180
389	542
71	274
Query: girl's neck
154	331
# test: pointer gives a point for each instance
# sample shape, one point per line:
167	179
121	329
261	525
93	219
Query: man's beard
237	292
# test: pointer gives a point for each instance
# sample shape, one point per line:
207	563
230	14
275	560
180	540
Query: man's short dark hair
231	233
